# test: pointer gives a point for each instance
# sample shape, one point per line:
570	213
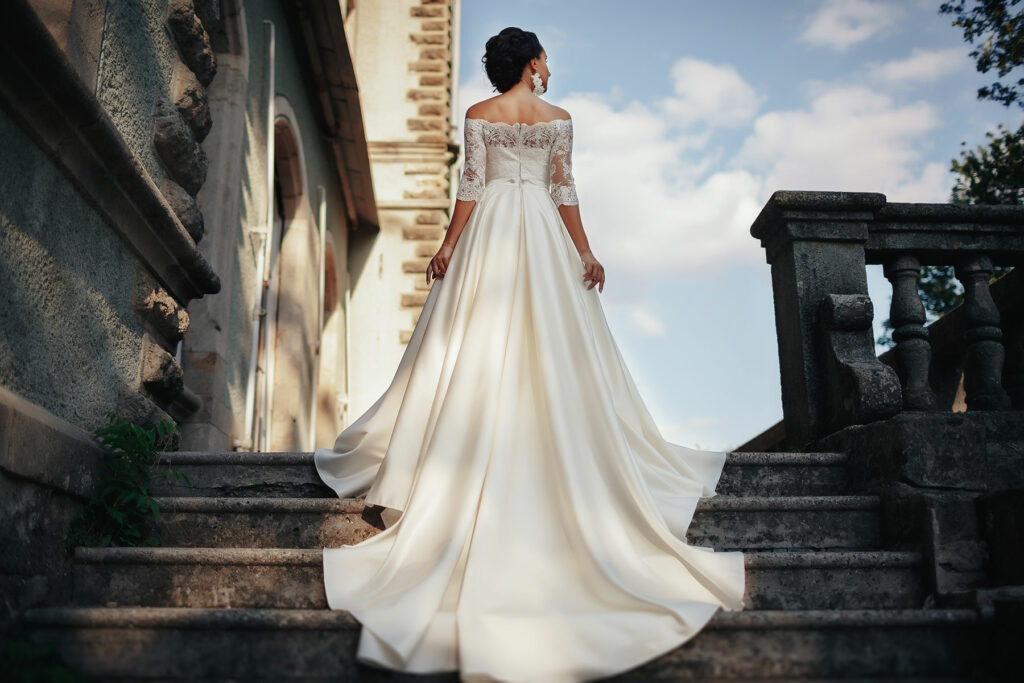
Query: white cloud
922	66
850	138
842	23
713	94
646	323
654	205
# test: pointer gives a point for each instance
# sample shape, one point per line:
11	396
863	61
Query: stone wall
102	116
406	56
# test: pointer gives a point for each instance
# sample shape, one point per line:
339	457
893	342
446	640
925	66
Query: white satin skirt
535	517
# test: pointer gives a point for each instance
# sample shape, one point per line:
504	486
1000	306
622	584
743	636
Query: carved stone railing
818	244
951	483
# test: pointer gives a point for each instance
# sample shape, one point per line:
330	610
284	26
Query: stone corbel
858	387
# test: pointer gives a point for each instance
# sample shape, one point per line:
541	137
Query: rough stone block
190	98
185	207
158	310
427	11
431	38
184	159
161	374
428	79
192	39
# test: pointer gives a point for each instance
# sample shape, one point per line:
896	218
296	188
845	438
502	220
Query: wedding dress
535	517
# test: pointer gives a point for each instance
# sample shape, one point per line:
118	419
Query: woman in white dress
535	517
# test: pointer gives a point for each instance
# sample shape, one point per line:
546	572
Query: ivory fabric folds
535	517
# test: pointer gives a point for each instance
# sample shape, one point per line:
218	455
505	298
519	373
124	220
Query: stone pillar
814	242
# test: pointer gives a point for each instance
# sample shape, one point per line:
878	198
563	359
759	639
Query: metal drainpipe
249	442
322	220
346	400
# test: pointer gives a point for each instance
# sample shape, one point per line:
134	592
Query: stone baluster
907	317
985	353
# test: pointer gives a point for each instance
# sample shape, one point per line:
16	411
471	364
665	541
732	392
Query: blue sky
687	116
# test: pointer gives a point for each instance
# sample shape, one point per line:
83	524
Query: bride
535	518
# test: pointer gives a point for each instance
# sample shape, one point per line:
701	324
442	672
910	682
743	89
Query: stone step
292	475
721	522
169	643
293	579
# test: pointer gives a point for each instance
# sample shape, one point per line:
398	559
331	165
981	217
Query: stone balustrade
818	244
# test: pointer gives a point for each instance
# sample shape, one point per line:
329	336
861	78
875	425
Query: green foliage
23	661
992	173
999	29
122	512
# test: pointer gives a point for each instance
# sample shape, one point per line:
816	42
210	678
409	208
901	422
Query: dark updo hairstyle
507	53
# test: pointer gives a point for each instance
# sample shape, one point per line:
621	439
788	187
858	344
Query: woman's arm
460	216
574	225
563	192
471	186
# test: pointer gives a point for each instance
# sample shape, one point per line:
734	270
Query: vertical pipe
259	315
347	398
322	222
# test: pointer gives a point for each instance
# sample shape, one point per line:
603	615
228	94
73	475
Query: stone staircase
237	591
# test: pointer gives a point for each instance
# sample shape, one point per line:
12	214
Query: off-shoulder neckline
517	123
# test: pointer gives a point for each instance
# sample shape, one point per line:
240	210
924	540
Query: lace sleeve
563	189
471	184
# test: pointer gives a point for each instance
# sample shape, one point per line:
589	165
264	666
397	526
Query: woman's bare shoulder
482	109
559	113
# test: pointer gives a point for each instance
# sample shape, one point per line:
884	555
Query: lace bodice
539	152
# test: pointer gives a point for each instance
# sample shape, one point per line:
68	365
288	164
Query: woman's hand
594	272
439	264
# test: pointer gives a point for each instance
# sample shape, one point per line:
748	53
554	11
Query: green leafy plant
122	512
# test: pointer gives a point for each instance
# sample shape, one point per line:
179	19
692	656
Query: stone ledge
314	557
416	266
43	448
428	79
748	503
431	65
233	505
421	233
428	11
355	505
430	38
306	458
413	300
212	618
754	458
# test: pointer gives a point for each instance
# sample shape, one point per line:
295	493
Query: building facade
216	212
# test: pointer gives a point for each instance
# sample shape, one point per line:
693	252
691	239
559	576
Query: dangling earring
538	84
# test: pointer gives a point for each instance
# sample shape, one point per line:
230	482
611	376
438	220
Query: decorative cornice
40	90
330	74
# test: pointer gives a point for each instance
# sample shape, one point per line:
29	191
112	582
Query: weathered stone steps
292	475
118	643
721	522
293	579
